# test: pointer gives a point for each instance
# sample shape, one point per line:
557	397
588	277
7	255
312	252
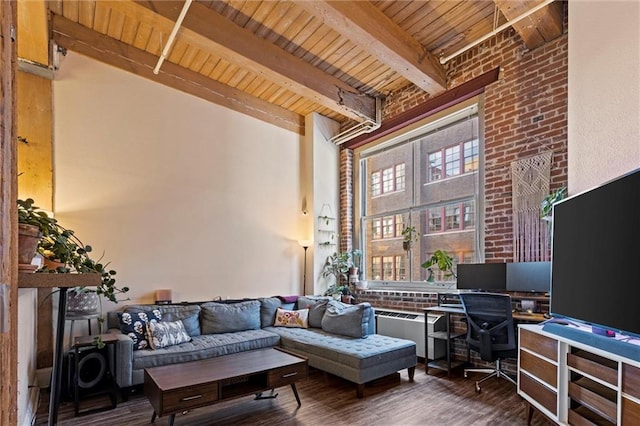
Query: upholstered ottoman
358	360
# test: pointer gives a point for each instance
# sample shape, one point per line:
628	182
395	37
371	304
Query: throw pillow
134	325
230	317
298	319
162	334
316	306
268	306
347	320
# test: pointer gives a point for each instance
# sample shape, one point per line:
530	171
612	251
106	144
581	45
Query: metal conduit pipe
172	36
445	59
366	126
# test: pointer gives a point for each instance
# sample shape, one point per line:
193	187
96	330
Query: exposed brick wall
346	199
525	113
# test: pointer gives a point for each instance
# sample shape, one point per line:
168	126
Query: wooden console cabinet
574	383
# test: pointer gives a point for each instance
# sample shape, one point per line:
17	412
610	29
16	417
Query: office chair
490	331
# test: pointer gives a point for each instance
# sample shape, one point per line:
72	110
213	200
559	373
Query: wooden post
8	215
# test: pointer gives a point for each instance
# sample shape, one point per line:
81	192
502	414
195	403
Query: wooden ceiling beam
81	39
537	28
265	59
368	27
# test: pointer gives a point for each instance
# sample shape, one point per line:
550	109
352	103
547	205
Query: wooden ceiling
281	60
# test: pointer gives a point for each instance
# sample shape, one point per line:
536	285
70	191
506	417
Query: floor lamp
305	245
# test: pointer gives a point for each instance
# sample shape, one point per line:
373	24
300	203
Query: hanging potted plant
409	235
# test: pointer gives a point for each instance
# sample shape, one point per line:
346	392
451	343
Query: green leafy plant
60	244
338	289
443	261
546	206
338	265
409	235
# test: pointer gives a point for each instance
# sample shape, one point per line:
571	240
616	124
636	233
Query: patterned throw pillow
163	334
285	318
134	325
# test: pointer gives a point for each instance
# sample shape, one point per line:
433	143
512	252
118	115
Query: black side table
85	350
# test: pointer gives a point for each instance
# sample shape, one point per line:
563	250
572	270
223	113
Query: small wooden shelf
51	280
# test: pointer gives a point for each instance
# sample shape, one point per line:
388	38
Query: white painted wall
604	91
178	192
326	199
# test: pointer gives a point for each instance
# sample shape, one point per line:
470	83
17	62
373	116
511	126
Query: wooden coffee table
175	388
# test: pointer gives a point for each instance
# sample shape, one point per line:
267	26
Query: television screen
529	276
482	276
595	266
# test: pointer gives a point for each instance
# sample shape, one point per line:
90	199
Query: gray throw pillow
162	334
188	314
347	320
229	317
268	308
316	306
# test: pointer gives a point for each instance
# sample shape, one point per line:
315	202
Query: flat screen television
529	277
482	276
595	263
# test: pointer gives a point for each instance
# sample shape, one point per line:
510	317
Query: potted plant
338	265
356	263
341	292
546	206
61	245
409	235
443	261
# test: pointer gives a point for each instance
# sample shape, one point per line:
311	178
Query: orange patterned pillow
285	318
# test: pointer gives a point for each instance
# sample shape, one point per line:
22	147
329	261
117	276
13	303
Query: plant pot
362	285
406	245
52	265
28	239
84	303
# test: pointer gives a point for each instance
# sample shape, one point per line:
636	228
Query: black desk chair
490	331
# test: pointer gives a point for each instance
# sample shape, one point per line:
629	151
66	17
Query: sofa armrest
372	321
123	358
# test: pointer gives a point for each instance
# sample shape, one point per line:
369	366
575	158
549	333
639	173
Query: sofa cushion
316	306
206	346
134	325
166	333
268	307
347	320
229	317
287	318
189	314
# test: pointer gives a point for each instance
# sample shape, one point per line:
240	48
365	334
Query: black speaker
92	370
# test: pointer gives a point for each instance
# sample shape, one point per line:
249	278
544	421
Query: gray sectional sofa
339	339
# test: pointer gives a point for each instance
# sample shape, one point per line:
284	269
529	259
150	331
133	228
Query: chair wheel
478	390
466	374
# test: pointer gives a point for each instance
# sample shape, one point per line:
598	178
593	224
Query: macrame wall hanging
530	184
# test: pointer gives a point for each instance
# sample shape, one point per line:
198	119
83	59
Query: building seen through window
430	181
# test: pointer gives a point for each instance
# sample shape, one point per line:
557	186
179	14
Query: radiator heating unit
411	326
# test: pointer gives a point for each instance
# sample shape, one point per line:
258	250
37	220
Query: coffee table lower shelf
172	389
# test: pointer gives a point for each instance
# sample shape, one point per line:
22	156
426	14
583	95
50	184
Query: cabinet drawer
594	396
593	366
630	412
191	397
581	416
539	344
287	375
538	392
539	368
631	380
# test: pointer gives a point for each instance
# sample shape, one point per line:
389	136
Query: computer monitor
482	276
529	276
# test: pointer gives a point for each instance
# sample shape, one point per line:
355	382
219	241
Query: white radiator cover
410	326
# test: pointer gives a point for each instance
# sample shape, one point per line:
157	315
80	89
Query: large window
428	181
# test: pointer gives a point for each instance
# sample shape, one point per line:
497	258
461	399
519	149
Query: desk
524	317
447	335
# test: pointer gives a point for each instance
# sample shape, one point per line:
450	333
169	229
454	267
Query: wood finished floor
432	399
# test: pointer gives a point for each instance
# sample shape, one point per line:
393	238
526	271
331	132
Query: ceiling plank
537	28
267	60
83	40
366	25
